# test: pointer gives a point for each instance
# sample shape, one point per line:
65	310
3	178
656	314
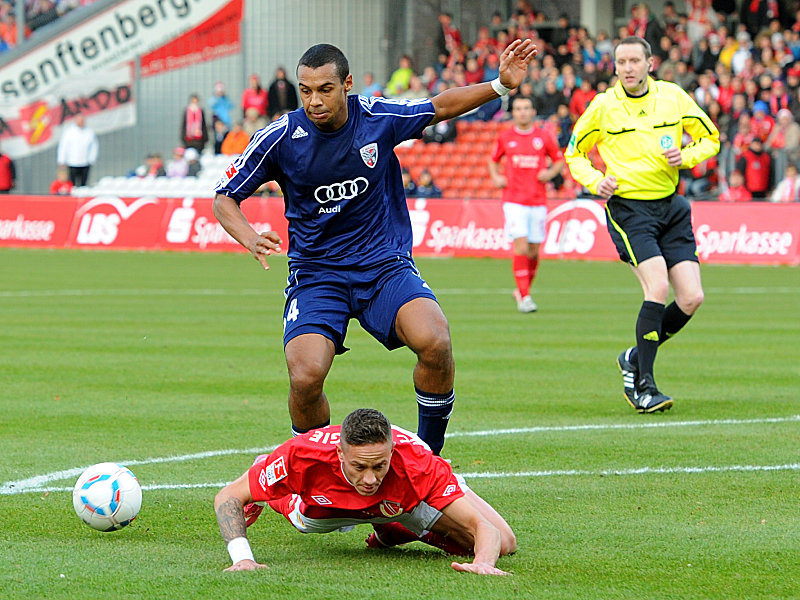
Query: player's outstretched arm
232	219
513	68
488	539
228	505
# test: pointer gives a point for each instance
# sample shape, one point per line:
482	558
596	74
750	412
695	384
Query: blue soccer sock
434	413
297	431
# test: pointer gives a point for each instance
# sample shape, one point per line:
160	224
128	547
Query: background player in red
365	471
527	148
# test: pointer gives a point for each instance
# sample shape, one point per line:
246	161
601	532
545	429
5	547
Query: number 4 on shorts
292	313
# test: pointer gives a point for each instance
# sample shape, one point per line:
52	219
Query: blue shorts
324	300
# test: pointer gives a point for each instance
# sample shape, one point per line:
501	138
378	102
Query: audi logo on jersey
344	190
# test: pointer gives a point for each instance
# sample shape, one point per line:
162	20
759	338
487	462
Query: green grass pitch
173	363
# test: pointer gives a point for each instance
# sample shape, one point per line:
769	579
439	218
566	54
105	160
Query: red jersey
526	153
308	465
736	194
61	188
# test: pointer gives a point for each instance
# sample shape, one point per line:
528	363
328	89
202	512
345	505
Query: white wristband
499	88
239	549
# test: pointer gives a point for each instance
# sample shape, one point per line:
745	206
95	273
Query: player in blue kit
349	229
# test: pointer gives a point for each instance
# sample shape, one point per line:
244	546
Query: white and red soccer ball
107	496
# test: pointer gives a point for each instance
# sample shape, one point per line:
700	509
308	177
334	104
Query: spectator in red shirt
761	123
580	99
484	43
255	96
755	164
449	38
779	97
8	174
736	191
474	72
726	91
61	185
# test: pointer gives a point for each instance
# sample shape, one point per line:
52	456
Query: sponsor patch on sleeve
275	471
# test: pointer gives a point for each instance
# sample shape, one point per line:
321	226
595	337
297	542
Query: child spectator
61	185
736	191
178	167
192	158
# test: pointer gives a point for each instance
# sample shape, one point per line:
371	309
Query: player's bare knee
438	353
691	302
306	379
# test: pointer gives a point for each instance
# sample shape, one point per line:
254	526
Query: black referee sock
648	327
434	412
671	323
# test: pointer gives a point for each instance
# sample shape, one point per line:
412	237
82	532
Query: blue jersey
343	191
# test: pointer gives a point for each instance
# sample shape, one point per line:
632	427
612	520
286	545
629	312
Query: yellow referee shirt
632	133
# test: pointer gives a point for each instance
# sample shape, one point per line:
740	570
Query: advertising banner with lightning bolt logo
88	70
105	99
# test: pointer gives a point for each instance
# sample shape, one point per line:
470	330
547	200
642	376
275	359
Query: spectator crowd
740	61
38	13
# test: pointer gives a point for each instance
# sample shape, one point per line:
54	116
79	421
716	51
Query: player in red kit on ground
365	471
532	159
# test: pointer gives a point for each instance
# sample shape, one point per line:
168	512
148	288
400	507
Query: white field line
497	475
443	291
40	483
617	426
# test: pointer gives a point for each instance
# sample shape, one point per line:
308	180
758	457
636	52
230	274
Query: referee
638	126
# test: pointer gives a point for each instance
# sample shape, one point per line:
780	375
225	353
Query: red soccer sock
522	273
437	540
533	266
393	534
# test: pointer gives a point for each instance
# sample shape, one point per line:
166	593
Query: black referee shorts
642	229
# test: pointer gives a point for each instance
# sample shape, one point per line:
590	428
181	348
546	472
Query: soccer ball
107	496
